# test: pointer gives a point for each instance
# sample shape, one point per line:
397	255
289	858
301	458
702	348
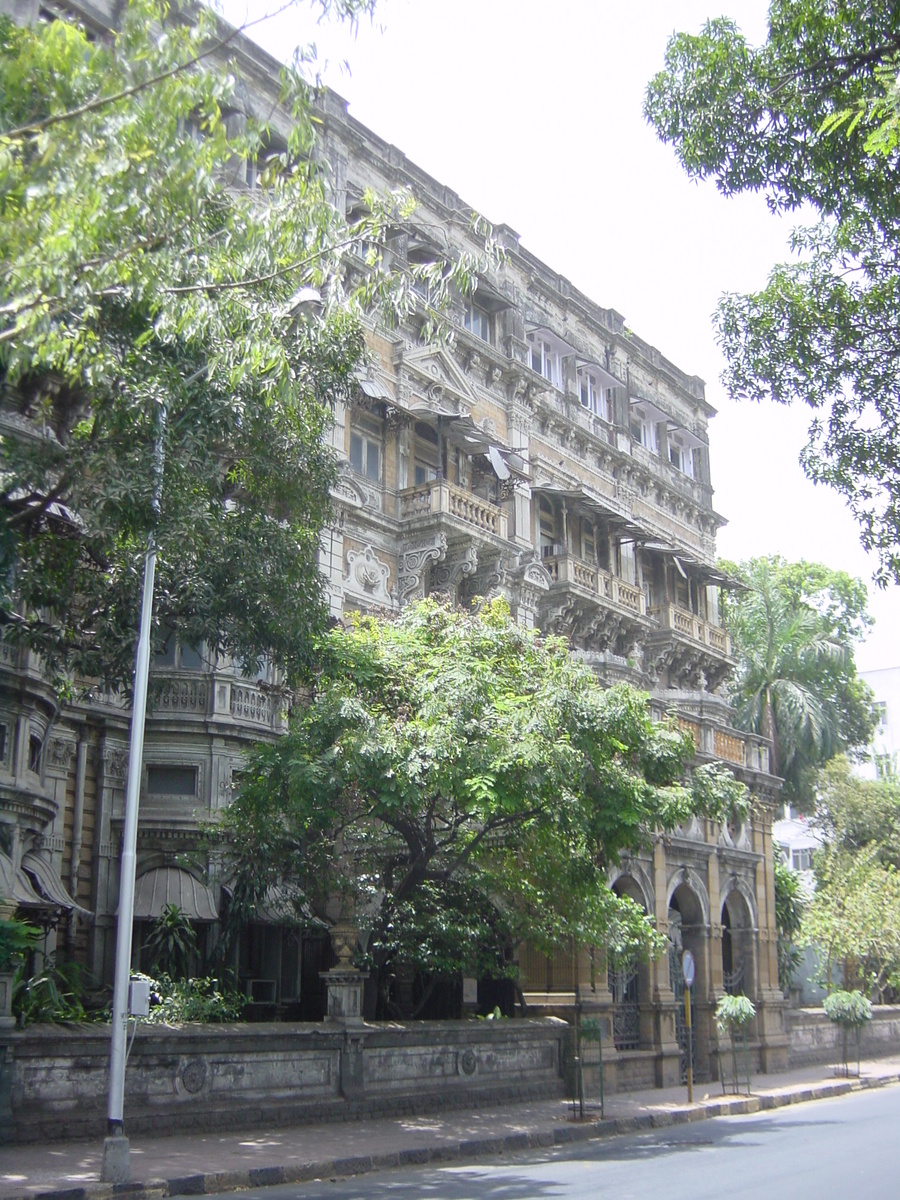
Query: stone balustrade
688	624
212	696
569	568
444	498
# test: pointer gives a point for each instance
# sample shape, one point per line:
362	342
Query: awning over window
15	885
172	885
593	505
48	883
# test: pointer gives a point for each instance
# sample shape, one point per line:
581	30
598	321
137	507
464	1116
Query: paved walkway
201	1163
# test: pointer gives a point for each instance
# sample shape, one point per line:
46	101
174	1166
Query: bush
175	1001
16	939
849	1010
56	994
733	1013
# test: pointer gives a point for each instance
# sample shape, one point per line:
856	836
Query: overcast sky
531	112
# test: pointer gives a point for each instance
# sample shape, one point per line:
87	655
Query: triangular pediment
431	376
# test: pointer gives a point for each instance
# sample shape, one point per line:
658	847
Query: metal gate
677	978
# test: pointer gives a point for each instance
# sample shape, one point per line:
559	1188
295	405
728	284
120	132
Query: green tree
856	814
853	919
142	279
793	630
457	784
825	330
789	906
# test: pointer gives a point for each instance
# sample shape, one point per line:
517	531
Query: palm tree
796	681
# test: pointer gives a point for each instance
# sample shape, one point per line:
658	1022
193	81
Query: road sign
687	968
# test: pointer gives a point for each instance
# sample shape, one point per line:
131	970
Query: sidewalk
203	1163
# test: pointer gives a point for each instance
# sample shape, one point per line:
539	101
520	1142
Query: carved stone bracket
414	560
459	564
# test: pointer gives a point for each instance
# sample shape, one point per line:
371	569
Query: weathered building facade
543	453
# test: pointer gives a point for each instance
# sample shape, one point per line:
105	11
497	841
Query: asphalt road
842	1149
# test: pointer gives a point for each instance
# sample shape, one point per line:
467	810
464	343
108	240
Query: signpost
687	970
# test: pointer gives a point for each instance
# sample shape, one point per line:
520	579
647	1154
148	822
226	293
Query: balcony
679	620
196	695
568	569
688	649
732	746
595	610
465	510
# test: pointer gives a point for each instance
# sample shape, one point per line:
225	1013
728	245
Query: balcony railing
441	497
568	568
730	745
214	697
679	620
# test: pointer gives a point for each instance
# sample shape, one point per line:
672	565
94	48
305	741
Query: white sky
531	112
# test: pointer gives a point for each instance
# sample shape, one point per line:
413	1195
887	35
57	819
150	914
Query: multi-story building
543	453
883	758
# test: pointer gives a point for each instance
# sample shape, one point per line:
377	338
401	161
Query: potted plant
849	1011
16	939
733	1015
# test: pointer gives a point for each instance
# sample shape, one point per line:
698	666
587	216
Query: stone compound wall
244	1076
814	1039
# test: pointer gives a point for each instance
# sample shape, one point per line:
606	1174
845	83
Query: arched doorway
688	930
628	980
738	945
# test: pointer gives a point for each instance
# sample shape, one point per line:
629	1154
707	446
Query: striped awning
43	875
15	885
173	885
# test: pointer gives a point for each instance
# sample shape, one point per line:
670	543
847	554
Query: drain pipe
77	832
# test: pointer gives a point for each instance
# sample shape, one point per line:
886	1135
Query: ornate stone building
546	454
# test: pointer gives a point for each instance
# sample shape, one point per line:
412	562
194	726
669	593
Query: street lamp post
116	1165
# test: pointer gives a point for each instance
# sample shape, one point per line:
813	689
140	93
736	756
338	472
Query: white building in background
883	761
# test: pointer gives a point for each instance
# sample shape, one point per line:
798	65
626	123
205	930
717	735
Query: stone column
665	1040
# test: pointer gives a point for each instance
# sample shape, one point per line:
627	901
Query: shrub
16	939
175	1001
849	1010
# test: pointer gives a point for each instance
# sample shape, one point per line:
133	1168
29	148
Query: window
680	456
426	462
543	359
365	453
627	562
801	860
643	429
35	745
880	707
588	542
594	398
885	766
550	548
176	653
171	781
478	321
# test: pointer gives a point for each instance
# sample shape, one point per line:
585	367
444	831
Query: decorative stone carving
61	754
414	560
368	575
115	764
193	1075
459	565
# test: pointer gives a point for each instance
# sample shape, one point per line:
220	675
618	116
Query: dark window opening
172	781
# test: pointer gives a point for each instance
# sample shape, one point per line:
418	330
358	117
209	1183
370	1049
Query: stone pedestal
7	1020
345	995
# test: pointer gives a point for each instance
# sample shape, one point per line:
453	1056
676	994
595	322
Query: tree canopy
854	914
457	784
143	277
809	119
793	631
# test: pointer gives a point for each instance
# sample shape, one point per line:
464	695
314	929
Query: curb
558	1135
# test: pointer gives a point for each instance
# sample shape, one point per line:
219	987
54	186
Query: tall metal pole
116	1166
